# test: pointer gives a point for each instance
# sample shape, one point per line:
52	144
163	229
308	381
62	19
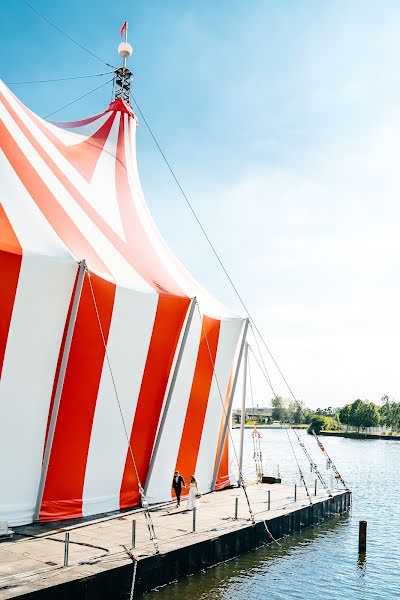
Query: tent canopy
71	192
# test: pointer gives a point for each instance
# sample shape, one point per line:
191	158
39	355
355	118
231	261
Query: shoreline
359	435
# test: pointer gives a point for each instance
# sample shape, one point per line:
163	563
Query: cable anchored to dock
330	462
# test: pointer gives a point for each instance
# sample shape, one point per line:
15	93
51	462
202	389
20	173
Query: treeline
359	414
362	414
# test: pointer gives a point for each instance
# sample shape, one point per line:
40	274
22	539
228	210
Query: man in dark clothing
177	484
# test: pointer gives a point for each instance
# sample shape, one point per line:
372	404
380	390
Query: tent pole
60	384
243	415
228	412
170	392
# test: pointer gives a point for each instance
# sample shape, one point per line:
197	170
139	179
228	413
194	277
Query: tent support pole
243	414
60	384
228	412
170	392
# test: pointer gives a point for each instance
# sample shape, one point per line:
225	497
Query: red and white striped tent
71	192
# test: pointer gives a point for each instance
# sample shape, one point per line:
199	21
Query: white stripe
122	271
128	343
159	488
102	192
33	344
229	336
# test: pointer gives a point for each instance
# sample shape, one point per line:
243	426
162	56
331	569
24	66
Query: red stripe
223	480
170	316
10	266
62	498
198	400
66	124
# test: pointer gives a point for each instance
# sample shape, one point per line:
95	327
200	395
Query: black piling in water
269	500
362	536
236	508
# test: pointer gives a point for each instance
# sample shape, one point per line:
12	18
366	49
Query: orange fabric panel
62	498
223	473
198	399
10	265
169	320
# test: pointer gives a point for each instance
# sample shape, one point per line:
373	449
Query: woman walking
194	494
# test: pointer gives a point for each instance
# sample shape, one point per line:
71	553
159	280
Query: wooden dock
31	563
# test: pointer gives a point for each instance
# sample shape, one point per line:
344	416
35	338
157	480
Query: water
321	562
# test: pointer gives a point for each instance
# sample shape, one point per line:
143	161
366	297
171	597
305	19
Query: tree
279	412
356	413
371	415
299	413
318	422
344	414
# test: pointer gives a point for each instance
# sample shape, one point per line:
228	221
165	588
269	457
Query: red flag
124	26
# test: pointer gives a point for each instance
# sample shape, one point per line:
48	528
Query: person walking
177	483
194	494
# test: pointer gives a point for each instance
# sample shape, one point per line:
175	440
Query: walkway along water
99	566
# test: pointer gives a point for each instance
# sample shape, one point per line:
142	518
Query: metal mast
123	75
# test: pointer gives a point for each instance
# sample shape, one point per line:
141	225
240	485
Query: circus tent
116	366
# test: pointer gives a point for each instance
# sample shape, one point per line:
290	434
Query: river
321	562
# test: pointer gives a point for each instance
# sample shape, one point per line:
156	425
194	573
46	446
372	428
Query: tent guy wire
77	99
62	32
58	79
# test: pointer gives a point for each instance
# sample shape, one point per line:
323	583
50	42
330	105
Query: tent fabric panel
199	397
227	345
10	265
159	486
127	347
233	467
22	158
36	328
170	316
64	484
222	480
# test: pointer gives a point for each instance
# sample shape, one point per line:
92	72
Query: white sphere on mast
125	50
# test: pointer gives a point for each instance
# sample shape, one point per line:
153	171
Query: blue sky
282	121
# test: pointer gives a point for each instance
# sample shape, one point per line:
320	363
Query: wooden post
236	507
66	549
315	487
295	492
194	519
362	536
133	533
269	499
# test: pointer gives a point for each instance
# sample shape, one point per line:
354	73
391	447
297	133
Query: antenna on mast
123	75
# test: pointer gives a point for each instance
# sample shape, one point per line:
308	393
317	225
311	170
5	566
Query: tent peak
119	105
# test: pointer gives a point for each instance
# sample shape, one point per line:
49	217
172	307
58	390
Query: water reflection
362	563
